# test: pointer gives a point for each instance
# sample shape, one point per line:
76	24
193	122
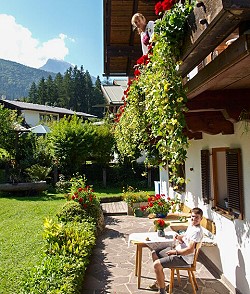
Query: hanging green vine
152	118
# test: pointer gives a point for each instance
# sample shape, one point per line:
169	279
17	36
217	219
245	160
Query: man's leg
159	275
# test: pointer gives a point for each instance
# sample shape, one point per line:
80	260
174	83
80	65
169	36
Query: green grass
107	192
21	226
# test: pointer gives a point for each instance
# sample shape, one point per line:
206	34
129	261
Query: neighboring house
113	95
34	114
216	73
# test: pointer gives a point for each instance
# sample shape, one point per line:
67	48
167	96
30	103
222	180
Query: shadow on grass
32	196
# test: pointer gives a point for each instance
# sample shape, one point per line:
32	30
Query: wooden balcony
217	45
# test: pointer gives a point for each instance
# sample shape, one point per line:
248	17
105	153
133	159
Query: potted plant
160	225
138	212
134	199
160	206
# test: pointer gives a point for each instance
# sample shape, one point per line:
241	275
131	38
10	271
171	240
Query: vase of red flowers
160	225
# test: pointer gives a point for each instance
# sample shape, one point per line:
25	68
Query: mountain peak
56	66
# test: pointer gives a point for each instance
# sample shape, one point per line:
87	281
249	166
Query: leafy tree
71	141
103	143
8	136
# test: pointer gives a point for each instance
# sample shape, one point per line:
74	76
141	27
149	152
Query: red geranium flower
158	8
167	4
80	200
137	72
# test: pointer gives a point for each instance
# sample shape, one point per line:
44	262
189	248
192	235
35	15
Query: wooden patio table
150	240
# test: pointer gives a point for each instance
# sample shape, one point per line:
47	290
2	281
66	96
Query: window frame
234	181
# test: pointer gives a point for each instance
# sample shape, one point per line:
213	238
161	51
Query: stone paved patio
111	269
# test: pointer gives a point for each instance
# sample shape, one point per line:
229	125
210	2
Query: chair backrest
196	253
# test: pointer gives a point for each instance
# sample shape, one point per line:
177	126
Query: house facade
216	73
34	114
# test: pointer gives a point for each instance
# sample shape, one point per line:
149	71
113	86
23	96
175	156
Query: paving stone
111	269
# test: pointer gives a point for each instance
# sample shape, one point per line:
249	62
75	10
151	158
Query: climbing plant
152	117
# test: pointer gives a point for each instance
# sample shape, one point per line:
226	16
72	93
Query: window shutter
205	176
234	181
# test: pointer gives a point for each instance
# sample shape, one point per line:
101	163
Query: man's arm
185	251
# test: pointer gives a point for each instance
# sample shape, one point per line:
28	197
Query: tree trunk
104	176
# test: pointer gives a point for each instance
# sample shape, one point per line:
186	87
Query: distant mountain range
16	79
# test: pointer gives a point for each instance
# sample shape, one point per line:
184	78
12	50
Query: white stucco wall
233	237
31	117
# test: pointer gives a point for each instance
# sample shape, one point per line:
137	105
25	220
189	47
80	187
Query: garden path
111	269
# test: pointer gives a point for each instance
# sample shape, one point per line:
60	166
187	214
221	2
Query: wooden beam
209	24
230	69
120	50
208	122
190	135
230	102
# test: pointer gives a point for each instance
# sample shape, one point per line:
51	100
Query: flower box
130	210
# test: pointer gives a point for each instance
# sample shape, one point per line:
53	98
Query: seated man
182	254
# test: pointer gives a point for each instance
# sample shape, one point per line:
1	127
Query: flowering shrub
160	224
158	204
83	195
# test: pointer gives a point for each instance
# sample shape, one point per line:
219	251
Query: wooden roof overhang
122	45
221	90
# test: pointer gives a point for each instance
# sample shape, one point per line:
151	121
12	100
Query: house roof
113	94
43	108
122	45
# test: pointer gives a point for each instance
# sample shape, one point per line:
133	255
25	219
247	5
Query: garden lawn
21	227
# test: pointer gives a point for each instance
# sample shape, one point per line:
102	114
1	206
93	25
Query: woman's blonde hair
133	19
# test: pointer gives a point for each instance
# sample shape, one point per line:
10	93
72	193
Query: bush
38	173
62	269
131	196
69	239
63	185
71	211
69	244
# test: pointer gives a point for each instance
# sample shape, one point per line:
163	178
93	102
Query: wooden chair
190	269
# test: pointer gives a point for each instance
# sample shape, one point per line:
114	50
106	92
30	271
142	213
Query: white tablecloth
151	239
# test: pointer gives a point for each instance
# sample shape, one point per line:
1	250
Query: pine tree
33	96
42	92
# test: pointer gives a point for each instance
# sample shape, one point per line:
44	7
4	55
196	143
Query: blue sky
32	31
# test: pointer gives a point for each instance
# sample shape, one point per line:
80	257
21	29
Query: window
227	180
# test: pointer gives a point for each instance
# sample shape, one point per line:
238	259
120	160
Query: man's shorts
169	261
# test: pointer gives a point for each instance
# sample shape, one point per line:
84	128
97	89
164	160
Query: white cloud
17	44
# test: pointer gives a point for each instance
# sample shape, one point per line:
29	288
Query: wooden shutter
205	176
234	181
